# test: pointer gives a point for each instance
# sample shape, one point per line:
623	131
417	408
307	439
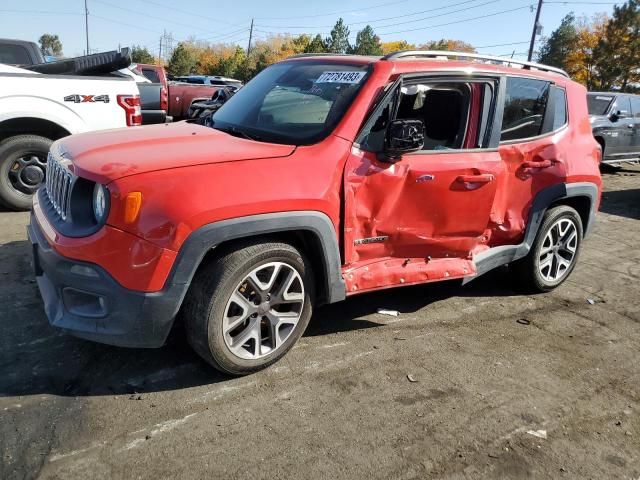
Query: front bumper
84	300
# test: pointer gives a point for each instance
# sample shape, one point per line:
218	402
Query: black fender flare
209	236
498	256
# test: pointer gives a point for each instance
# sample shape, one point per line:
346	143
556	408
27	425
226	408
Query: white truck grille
59	182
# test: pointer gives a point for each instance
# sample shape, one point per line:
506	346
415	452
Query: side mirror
617	115
403	136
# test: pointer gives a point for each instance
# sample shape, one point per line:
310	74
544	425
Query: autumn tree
316	45
617	55
50	45
141	55
183	59
556	48
396	46
581	61
367	43
449	45
338	40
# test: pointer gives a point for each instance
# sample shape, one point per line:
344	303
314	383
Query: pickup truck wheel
246	309
555	250
23	163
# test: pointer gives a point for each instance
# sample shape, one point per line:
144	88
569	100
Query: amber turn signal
132	204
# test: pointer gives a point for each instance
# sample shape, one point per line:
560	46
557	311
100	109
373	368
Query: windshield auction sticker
341	77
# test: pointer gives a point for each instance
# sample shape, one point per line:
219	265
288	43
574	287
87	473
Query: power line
198	15
149	16
333	13
400	16
457	21
39	12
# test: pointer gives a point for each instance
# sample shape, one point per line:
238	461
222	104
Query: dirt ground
491	367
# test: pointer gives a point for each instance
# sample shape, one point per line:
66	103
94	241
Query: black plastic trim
209	236
498	256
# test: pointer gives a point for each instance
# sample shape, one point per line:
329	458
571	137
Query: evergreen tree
557	47
183	60
50	45
338	40
367	43
317	45
141	55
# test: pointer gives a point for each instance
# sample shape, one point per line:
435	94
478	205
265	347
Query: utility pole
535	31
160	52
250	38
86	24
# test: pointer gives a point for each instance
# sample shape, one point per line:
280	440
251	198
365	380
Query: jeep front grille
59	182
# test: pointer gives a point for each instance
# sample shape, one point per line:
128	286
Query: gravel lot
490	366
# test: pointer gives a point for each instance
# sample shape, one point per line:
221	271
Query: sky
497	27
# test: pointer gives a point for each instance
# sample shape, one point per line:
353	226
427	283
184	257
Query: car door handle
483	178
540	164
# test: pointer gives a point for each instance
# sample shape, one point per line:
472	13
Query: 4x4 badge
87	98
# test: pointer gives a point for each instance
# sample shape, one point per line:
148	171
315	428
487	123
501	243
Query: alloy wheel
263	310
558	250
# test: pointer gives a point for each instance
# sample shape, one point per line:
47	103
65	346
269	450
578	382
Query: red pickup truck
180	95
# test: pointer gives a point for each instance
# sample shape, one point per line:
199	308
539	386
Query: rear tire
22	169
554	252
246	309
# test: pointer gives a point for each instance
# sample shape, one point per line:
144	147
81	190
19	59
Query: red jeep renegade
324	177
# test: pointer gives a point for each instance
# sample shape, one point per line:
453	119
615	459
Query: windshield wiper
236	132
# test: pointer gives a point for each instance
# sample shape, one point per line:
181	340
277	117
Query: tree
448	45
50	45
581	61
396	46
367	43
183	59
338	40
617	55
141	55
556	48
316	45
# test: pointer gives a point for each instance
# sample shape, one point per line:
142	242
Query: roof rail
303	55
436	54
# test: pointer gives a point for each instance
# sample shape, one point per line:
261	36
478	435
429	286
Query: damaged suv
324	177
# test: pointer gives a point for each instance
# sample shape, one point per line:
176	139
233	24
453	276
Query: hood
108	155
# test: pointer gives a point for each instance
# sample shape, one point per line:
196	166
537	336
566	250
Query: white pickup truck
36	109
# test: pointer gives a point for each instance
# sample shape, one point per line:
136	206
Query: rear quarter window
151	75
560	116
14	55
524	108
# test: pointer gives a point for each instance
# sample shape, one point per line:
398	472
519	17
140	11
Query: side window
635	106
14	55
455	114
524	108
560	116
372	136
444	109
151	75
623	105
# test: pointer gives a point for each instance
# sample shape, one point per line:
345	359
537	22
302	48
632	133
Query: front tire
23	161
246	309
554	253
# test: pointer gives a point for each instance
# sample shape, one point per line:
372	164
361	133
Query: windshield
598	104
296	103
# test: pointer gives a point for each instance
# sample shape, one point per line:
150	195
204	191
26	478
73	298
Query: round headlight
100	202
